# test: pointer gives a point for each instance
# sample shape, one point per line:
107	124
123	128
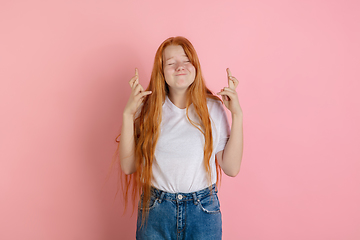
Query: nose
180	67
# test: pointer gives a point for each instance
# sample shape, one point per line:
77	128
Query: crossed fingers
232	81
136	88
134	83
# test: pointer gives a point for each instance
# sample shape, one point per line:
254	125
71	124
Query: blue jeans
181	216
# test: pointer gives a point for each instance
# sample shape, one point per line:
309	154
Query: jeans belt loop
162	194
196	200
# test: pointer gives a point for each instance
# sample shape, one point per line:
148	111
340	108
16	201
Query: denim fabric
181	216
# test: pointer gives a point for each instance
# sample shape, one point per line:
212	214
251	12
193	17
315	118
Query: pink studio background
64	68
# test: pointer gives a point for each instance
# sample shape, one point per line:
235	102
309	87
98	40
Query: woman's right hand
136	96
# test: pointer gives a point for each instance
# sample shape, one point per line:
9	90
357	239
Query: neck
178	99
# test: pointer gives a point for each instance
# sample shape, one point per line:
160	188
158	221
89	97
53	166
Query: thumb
142	94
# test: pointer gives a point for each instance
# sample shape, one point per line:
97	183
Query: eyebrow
173	57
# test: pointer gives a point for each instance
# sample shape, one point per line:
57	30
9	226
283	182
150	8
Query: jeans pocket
153	203
210	204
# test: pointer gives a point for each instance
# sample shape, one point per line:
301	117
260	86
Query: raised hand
229	95
136	96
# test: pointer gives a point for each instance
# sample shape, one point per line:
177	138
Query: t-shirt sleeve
224	128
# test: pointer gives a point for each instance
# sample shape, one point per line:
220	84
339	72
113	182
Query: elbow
233	172
127	170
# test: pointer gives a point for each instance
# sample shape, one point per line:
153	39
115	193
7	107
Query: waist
162	195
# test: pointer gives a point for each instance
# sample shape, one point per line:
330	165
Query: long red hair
147	123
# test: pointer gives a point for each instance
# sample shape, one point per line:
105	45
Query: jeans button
180	196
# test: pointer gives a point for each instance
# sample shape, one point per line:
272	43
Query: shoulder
214	105
216	110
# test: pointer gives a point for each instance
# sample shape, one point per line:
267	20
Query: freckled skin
178	70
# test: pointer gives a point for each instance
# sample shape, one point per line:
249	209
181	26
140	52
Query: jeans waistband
193	196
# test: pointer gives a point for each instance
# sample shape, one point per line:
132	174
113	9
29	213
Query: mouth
181	74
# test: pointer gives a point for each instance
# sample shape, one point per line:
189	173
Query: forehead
173	51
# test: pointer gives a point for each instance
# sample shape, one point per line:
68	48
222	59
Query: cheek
167	74
193	70
166	71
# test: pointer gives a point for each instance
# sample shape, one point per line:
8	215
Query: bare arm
230	158
127	141
127	145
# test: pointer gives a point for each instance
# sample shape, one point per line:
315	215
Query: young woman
175	140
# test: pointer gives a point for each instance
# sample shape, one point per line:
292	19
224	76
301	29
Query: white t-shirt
179	154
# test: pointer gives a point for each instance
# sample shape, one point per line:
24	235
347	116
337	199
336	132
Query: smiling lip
180	74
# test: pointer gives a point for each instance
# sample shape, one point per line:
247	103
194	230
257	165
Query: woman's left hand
229	95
